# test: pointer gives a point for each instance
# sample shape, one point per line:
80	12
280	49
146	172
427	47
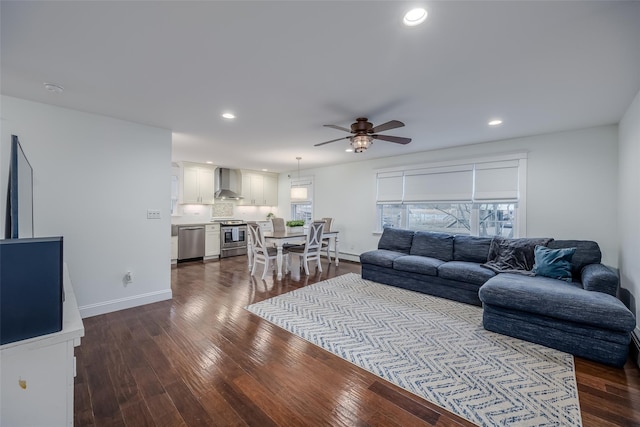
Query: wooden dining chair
263	254
326	241
278	225
312	248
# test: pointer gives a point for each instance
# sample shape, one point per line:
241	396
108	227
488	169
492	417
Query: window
303	208
479	198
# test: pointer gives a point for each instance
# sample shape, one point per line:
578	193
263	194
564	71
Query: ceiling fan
364	133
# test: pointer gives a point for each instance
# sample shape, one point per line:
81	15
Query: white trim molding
124	303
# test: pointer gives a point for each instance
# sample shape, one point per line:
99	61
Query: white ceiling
287	68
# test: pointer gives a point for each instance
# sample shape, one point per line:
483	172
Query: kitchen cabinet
38	373
174	249
259	188
197	183
270	190
212	241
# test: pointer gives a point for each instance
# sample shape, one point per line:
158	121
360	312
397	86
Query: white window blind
306	183
496	181
390	187
500	178
439	184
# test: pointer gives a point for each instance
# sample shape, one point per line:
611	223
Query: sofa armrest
599	278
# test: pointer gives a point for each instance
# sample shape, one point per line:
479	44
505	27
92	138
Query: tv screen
19	215
31	286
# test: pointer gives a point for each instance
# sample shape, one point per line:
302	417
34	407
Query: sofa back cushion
471	248
396	239
587	252
433	245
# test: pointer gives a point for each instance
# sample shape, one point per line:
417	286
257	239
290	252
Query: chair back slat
278	225
314	238
327	224
257	238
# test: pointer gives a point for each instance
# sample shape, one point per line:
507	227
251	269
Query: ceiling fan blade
386	126
338	127
396	139
333	140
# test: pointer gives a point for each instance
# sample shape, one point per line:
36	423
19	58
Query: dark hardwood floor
202	360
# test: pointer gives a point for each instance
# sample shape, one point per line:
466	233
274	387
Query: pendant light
298	193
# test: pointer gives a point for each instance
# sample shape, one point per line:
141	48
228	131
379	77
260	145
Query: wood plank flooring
202	360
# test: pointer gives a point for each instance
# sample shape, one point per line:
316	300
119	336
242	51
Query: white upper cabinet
197	183
259	188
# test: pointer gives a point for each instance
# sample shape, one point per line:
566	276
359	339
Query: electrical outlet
153	213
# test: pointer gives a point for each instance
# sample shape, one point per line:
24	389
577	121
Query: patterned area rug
434	348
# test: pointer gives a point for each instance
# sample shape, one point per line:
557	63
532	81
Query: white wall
94	179
629	206
571	176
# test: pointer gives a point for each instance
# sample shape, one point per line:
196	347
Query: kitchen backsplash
204	213
222	210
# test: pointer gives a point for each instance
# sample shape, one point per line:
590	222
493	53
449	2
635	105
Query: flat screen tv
31	286
19	215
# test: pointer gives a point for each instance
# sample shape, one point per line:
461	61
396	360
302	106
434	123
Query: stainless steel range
233	238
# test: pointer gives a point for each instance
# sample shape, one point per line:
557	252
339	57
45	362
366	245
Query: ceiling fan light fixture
415	17
361	142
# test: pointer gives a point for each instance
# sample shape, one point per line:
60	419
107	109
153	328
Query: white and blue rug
434	348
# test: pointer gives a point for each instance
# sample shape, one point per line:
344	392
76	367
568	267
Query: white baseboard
635	345
348	257
124	303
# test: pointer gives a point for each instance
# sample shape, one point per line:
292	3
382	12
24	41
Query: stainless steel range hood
226	184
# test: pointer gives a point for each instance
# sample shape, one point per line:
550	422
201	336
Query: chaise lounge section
579	315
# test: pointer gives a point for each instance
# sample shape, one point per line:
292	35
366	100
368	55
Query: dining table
279	238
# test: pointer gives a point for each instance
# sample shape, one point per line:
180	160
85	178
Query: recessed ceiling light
349	150
265	170
209	162
496	122
415	17
53	87
229	115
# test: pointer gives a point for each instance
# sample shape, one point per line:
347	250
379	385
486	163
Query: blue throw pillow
554	263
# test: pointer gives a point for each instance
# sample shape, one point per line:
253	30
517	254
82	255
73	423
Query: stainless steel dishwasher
190	242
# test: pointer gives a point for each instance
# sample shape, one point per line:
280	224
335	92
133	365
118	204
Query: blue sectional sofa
579	314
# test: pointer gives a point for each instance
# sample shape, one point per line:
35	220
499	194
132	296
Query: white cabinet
212	241
197	183
259	189
174	249
265	226
37	373
270	190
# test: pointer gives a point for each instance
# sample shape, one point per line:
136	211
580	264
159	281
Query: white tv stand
37	374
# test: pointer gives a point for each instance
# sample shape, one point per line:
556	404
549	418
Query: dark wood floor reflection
202	360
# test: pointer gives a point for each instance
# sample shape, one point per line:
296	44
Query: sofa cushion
554	263
599	278
396	239
471	248
587	252
470	272
557	299
380	257
433	245
417	264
